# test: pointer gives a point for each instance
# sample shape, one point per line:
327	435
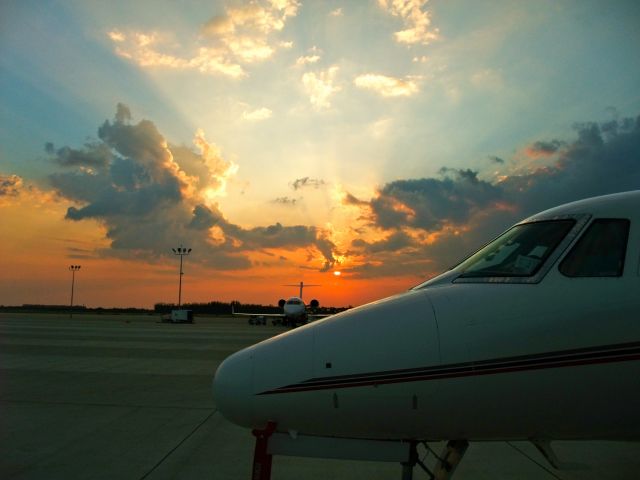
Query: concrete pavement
103	397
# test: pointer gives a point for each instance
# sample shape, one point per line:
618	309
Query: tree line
210	308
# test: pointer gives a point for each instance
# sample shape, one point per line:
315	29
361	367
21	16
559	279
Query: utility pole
182	251
74	269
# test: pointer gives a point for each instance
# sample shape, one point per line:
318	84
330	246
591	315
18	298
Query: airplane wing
319	315
269	315
244	314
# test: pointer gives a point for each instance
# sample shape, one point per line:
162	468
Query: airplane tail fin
301	285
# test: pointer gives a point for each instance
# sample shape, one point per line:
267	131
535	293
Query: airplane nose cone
232	388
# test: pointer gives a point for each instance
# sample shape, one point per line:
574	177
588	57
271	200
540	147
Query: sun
337	273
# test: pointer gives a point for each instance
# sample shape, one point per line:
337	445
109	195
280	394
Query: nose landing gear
261	458
446	462
405	452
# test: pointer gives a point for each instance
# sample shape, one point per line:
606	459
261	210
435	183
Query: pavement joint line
84	404
550	472
168	454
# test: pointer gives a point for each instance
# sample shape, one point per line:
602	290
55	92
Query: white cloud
320	86
242	35
257	115
417	21
213	60
387	86
116	36
219	170
307	59
336	13
313	56
249	49
142	49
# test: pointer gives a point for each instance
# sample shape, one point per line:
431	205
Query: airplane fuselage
295	311
545	354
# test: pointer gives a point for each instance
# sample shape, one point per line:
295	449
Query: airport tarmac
117	396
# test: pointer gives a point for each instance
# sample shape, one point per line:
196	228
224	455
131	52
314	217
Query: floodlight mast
73	269
182	251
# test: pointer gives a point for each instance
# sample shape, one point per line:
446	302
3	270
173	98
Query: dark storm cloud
602	159
614	126
593	164
146	193
136	180
542	147
274	236
428	203
396	241
350	199
326	248
94	155
305	182
204	218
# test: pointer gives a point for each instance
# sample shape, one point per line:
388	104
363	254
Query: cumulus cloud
416	20
350	199
313	56
306	182
431	223
10	185
15	191
149	195
387	86
241	35
307	59
429	203
320	86
396	241
544	148
94	155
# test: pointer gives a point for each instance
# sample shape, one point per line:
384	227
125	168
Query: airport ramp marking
544	467
189	435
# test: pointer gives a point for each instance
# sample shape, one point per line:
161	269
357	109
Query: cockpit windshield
294	301
519	252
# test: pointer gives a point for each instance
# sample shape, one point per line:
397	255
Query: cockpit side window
600	252
519	252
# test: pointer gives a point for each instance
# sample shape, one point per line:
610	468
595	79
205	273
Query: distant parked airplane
294	311
534	337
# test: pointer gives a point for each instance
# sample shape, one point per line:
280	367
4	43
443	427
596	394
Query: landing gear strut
446	462
261	458
269	443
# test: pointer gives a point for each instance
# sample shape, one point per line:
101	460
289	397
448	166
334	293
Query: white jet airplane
294	311
534	337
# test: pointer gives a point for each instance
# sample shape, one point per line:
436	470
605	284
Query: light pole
74	269
182	251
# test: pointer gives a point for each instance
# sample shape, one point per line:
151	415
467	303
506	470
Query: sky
364	146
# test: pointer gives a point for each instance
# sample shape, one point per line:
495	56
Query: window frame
627	221
580	221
